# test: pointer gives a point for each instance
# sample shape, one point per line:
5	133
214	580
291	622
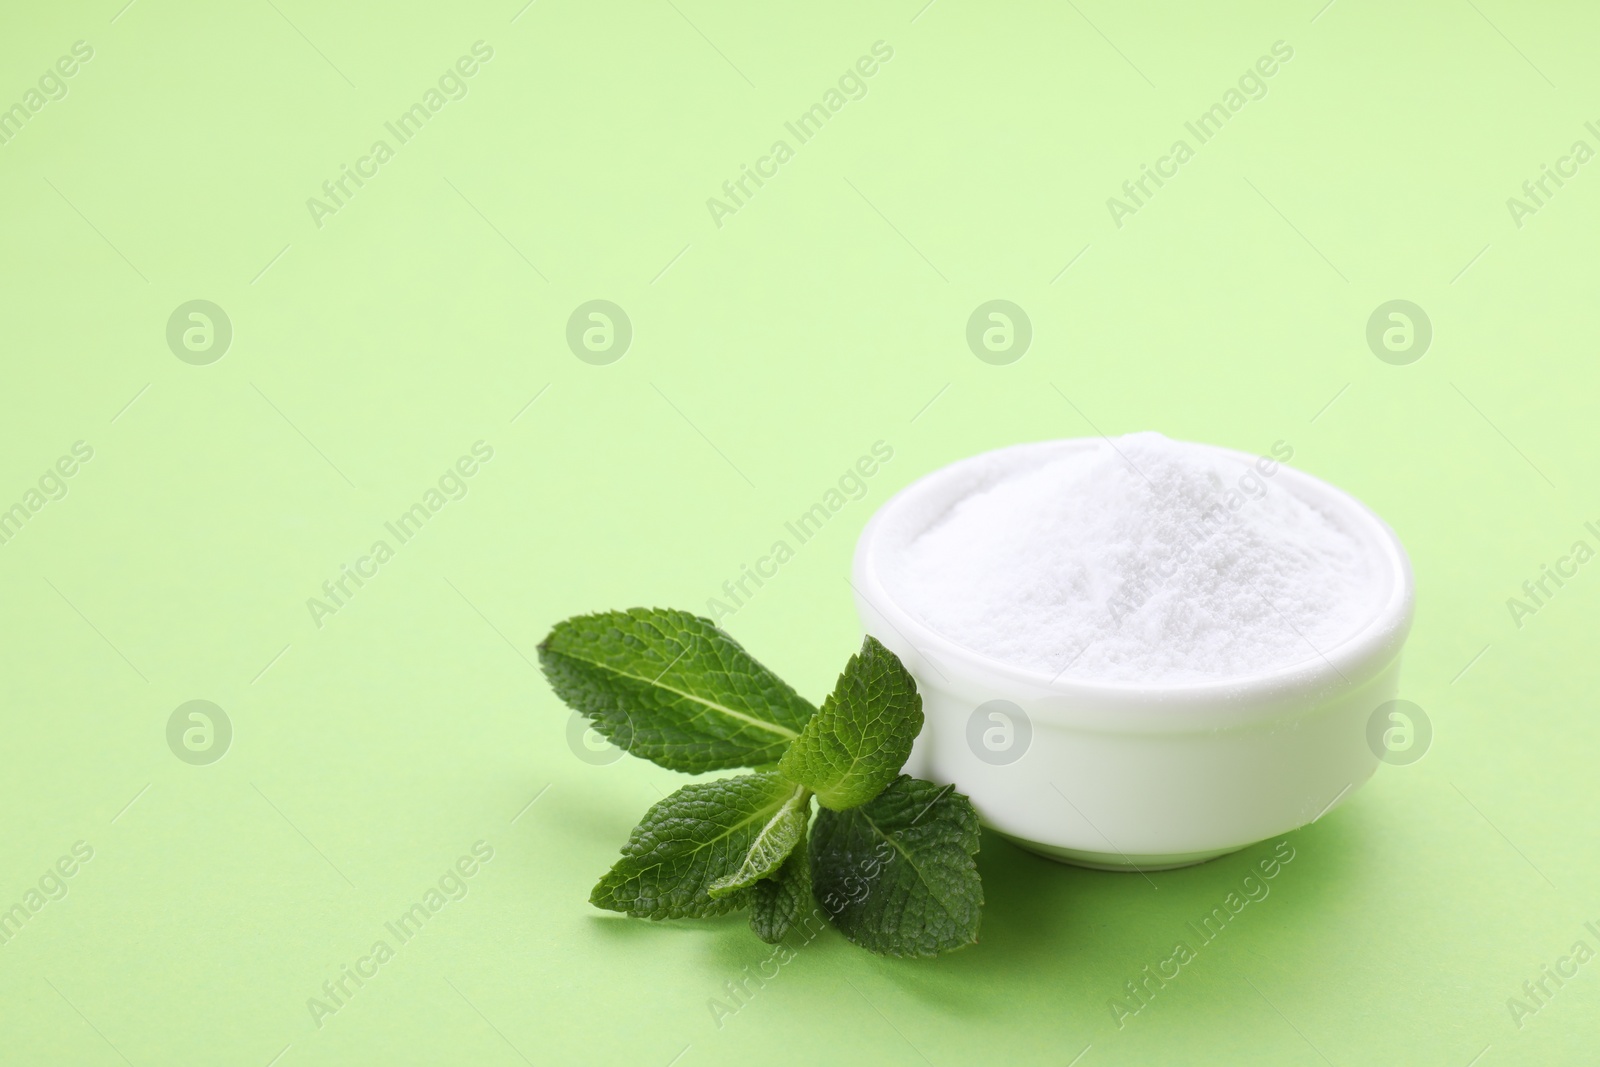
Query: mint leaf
896	875
772	845
856	744
779	902
702	833
671	687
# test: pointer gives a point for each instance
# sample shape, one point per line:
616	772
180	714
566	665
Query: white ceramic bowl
1121	775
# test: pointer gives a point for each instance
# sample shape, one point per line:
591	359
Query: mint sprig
889	859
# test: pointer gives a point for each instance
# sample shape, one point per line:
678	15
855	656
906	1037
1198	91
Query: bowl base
1117	861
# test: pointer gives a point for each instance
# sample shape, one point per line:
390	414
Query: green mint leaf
777	839
671	687
857	742
702	833
779	902
896	875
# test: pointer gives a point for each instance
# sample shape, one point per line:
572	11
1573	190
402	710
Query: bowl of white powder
1139	653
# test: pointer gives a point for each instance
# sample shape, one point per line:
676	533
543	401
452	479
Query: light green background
767	355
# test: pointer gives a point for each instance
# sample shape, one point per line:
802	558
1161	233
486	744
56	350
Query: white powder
1145	559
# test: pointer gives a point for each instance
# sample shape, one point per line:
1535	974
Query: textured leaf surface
857	742
772	845
698	835
896	875
779	902
671	687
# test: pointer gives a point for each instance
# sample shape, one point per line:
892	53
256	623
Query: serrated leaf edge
700	844
971	854
771	727
799	797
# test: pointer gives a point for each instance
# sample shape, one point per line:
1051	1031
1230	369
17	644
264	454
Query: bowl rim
1348	664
